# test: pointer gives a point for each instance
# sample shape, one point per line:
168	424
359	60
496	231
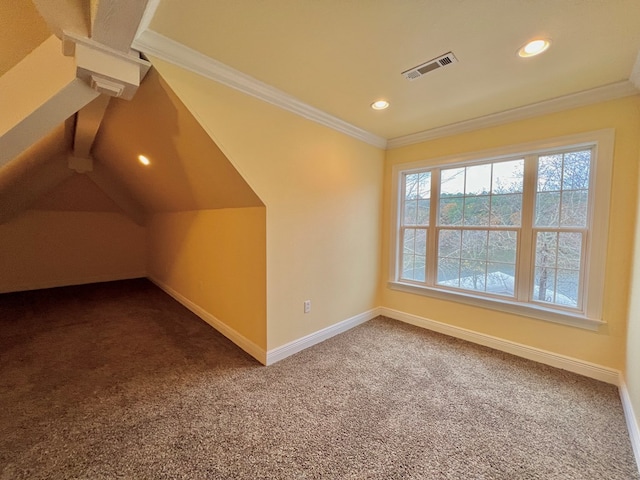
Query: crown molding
566	102
159	46
147	16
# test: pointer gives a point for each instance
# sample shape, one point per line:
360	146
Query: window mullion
525	268
432	244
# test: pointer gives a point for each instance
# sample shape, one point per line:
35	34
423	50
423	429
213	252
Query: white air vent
431	65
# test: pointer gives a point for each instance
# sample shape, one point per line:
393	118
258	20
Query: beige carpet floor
117	380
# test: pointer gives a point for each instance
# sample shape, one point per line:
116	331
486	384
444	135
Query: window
513	229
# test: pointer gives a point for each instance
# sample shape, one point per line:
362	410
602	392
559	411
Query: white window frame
591	315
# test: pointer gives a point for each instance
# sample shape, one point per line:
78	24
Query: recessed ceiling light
144	160
534	47
380	105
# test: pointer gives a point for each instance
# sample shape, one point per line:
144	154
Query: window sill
531	311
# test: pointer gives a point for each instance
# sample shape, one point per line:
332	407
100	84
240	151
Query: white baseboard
68	282
632	420
300	344
241	341
574	365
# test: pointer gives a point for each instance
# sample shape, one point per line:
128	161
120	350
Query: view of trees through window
477	226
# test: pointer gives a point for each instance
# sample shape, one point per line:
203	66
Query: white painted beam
115	22
114	189
37	95
87	124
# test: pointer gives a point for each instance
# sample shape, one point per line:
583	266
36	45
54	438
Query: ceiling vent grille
430	66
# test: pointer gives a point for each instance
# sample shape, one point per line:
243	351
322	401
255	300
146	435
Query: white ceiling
338	56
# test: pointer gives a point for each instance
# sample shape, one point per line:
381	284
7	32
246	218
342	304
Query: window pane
576	170
451	210
508	177
506	210
546	248
409	242
568	283
414	254
449	272
476	211
424	185
478	180
473	275
550	173
411	186
501	279
569	250
410	212
452	182
474	244
502	246
573	211
449	243
421	241
407	267
419	268
423	212
547	209
544	284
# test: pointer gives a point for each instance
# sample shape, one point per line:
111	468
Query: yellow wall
605	347
42	249
322	191
217	260
632	373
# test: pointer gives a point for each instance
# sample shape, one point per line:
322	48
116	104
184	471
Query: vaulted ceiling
88	160
327	61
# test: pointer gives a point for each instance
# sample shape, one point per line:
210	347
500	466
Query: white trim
564	362
600	94
632	420
157	45
147	16
69	282
241	341
284	351
523	309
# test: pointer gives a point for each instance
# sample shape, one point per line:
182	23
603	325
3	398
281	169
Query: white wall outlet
307	306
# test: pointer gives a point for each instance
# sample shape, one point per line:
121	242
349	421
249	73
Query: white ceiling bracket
105	69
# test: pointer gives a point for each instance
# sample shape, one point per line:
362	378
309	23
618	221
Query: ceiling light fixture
380	105
534	47
144	160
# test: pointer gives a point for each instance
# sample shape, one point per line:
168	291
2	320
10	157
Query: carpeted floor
119	381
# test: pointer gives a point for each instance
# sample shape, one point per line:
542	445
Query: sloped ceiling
339	56
23	29
187	172
76	194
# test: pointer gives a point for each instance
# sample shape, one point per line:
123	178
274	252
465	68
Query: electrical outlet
307	306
